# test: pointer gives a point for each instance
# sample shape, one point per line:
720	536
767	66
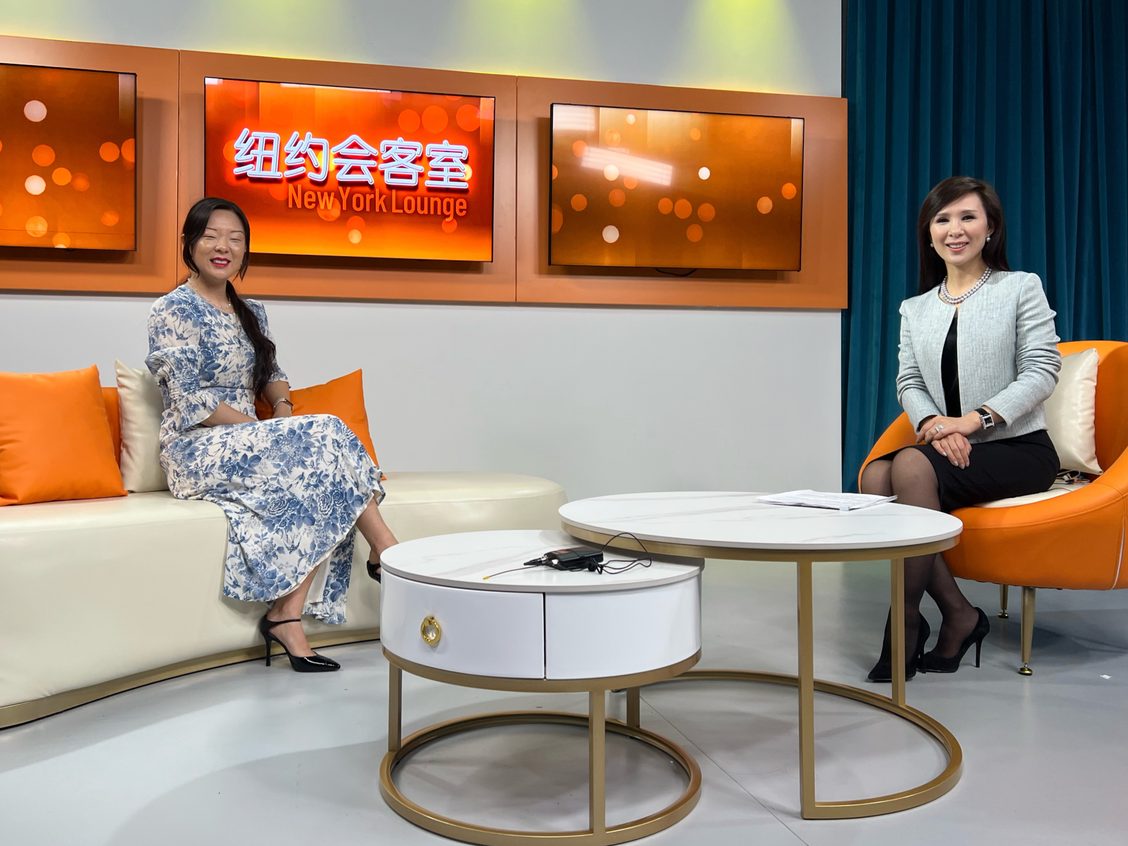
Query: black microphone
578	558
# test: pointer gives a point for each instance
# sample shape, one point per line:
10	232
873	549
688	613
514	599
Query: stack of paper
823	499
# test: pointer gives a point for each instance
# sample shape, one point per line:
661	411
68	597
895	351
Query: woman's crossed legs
909	475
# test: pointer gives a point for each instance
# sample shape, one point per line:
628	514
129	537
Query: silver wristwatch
985	417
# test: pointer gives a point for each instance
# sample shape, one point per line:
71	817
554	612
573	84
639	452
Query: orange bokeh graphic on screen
330	171
43	155
55	185
652	188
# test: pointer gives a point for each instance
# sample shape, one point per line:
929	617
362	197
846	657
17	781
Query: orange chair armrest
1079	551
1116	476
899	434
1060	509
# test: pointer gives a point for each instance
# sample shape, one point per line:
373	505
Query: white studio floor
250	755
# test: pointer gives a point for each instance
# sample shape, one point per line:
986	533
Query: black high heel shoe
374	569
883	670
300	663
933	663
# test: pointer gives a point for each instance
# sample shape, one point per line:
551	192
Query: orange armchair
1076	540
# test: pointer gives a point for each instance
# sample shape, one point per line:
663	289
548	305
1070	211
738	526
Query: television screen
67	158
665	189
328	171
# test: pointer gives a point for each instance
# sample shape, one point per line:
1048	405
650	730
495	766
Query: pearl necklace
950	300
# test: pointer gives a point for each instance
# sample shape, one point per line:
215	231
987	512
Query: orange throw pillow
55	439
343	397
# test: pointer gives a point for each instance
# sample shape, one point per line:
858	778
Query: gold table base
873	805
805	680
598	832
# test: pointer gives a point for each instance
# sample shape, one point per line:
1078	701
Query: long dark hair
932	269
195	222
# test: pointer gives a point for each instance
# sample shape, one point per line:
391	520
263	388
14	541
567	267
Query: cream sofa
111	594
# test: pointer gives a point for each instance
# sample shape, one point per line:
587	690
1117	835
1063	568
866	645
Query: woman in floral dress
293	488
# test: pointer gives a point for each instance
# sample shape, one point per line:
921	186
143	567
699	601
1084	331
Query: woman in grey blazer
978	358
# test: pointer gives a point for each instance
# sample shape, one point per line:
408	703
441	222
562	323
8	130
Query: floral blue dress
292	488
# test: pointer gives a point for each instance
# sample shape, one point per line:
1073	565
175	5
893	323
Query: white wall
600	399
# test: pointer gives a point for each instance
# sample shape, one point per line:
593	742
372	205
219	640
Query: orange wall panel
359	278
820	283
170	119
152	267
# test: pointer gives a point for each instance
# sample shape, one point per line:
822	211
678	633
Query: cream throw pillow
1070	413
141	407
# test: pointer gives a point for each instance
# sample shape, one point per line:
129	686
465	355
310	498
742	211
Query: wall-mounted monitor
67	158
333	171
671	189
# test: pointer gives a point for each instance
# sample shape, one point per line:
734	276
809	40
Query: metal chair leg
1004	596
1027	630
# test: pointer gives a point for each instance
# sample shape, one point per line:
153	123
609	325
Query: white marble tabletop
495	561
738	520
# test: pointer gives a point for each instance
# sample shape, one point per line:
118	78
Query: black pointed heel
883	670
933	663
374	569
299	663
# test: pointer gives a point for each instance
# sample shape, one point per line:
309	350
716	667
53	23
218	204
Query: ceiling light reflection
646	170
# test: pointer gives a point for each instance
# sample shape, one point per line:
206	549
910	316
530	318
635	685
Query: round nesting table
462	609
732	525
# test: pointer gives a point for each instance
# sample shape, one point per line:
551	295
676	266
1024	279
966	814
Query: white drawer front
487	633
617	633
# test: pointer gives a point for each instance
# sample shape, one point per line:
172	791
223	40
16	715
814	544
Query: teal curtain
1027	94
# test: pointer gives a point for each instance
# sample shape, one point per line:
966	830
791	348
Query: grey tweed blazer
1006	349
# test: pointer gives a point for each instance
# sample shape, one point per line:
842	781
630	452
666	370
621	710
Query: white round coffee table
735	525
462	609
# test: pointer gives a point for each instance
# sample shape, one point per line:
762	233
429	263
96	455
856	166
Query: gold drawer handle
431	631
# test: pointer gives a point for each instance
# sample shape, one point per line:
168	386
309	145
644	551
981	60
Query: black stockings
910	476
